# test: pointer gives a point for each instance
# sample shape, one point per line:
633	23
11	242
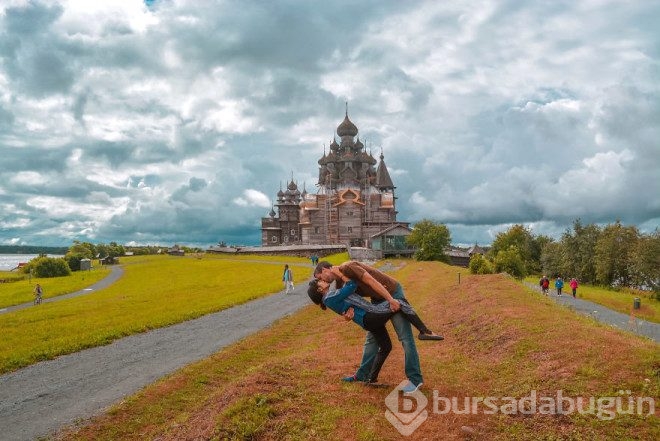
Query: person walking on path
287	278
377	285
545	284
574	285
559	284
38	294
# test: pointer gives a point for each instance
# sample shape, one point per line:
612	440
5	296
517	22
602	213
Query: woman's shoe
352	379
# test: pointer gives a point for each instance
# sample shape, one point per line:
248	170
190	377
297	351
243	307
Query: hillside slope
283	383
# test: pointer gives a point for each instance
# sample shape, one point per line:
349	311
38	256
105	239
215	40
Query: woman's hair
314	294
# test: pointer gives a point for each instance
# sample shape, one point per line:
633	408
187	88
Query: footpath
604	315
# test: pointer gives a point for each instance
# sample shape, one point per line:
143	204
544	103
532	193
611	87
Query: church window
274	239
293	232
286	238
317	230
350	229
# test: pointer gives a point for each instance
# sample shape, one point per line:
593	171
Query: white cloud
253	198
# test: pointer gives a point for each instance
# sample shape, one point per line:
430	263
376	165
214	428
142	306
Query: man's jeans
405	334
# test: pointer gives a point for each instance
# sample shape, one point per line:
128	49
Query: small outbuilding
176	251
85	264
392	241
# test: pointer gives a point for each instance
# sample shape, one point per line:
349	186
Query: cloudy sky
175	121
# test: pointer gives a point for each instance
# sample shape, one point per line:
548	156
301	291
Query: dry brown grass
283	383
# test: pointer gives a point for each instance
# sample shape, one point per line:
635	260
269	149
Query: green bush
480	265
48	267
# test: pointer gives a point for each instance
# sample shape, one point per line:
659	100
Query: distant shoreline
32	249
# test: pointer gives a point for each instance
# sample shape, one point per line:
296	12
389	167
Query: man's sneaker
410	388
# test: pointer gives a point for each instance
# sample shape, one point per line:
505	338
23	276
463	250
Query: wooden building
355	200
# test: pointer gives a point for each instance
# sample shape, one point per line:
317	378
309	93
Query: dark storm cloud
6	118
32	18
35	62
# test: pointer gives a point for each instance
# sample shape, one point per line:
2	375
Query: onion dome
347	128
333	144
272	212
323	160
292	186
358	144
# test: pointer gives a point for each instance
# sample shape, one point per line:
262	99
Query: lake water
10	261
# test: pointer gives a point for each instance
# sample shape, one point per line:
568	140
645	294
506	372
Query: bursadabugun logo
406	411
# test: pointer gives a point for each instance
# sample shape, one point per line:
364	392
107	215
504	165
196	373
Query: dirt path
41	398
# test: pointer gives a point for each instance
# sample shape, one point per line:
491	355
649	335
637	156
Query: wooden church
354	205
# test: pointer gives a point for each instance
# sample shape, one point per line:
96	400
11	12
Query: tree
115	250
77	252
430	239
578	252
536	248
511	262
519	239
613	254
645	262
551	259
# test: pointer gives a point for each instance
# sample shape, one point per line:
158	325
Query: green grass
21	291
621	300
155	291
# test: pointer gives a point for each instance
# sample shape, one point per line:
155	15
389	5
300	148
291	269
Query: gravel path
44	397
605	315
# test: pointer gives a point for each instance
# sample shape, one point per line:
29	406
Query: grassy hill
501	341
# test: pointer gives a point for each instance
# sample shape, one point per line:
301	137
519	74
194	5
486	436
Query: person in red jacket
545	284
573	284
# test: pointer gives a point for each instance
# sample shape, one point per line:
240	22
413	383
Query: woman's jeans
404	332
